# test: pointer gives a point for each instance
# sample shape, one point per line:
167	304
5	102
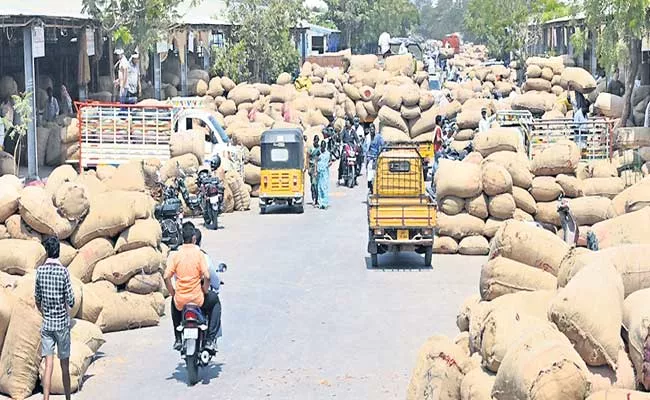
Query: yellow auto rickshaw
282	176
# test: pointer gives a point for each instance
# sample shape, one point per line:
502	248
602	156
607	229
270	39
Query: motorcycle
350	165
208	202
193	329
170	216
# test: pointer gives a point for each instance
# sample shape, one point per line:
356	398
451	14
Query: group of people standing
128	77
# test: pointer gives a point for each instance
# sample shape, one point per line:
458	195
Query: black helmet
215	163
355	120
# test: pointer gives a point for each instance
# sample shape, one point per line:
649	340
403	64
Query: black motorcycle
170	216
333	145
209	200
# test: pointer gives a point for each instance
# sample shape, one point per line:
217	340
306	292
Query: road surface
304	317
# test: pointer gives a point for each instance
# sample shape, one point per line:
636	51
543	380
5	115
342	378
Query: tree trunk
635	61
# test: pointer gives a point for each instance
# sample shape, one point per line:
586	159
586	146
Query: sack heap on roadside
549	322
491	81
58	141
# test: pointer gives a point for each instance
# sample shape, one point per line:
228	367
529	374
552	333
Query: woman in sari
324	163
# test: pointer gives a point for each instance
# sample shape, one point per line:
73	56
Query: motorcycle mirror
222	267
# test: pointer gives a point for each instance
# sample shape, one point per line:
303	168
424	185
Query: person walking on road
54	299
324	163
314	154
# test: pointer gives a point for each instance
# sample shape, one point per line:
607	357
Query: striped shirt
54	295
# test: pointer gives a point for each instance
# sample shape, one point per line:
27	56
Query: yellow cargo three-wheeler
282	177
401	212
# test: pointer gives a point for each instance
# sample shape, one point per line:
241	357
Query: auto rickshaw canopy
282	149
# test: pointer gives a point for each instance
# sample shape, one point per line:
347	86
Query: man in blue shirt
376	146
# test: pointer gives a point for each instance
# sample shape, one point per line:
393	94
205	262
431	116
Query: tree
22	104
446	17
620	27
262	38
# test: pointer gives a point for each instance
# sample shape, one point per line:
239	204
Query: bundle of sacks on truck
498	182
110	243
550	321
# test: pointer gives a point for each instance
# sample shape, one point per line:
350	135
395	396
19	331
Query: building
313	39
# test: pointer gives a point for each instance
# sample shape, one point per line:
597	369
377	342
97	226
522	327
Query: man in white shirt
384	43
485	122
122	74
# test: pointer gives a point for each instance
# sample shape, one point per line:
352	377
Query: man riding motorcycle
350	139
359	133
190	268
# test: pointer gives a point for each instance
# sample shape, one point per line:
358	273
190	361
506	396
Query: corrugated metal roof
207	12
43	8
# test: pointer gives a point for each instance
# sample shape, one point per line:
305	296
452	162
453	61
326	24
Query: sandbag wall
110	243
549	322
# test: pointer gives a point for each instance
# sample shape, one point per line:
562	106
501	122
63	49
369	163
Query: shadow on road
212	371
399	262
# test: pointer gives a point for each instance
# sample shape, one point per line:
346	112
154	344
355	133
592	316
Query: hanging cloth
180	40
83	76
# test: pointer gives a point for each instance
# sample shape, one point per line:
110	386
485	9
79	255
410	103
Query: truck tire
374	260
428	256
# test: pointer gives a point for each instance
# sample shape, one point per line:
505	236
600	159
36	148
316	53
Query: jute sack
501	329
530	245
255	156
249	137
459	226
517	165
439	370
619	394
105	219
324	90
13	181
364	62
541	365
87	333
126	310
547	73
477	206
410	112
352	92
119	268
633	227
638	199
501	206
326	106
477	385
403	64
451	205
530	101
547	213
92	302
537	84
455	178
495	178
492	226
6	306
636	322
80	358
444	245
524	200
18	257
144	232
128	176
426	100
474	246
533	71
607	187
571	186
462	340
144	283
243	94
252	174
21	352
561	157
64	173
465	311
394	135
468	118
609	105
18	229
89	254
426	122
501	276
590	210
67	253
474	158
389	117
72	201
187	163
8	202
465	134
496	139
589	311
191	141
578	79
92	184
619	202
545	189
229	107
38	211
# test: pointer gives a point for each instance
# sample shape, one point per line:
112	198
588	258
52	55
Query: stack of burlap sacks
550	321
57	141
495	80
110	244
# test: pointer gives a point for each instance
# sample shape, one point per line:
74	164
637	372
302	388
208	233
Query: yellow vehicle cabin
282	177
401	212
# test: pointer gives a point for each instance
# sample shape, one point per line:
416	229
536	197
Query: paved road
304	317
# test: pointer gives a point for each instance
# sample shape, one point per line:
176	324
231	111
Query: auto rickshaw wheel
300	209
428	256
374	260
262	210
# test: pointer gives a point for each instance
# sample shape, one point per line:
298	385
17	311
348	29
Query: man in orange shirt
189	267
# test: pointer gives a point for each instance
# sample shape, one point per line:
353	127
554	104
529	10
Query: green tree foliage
262	40
231	61
620	26
22	104
446	17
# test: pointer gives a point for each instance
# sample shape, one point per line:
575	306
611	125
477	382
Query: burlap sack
545	188
547	213
72	201
606	187
451	205
609	105
188	142
571	186
633	227
578	79
465	134
365	62
127	311
128	176
465	311
21	352
92	302
324	90
502	206
495	178
80	358
561	157
474	246
244	94
427	100
541	365
439	370
18	229
530	101
18	257
477	206
93	185
352	92
455	178
636	323
620	200
6	306
105	219
618	394
89	254
496	139
64	173
229	107
187	163
410	112
13	181
403	64
468	118
144	232
492	226
524	200
517	165
589	311
444	245
530	245
638	199
501	276
590	210
145	283
426	122
38	211
252	174
477	385
533	71
87	333
67	253
537	84
389	117
459	226
8	202
119	268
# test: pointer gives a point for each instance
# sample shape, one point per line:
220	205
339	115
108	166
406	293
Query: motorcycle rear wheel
192	363
210	218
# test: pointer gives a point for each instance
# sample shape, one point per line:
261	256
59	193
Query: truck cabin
193	118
